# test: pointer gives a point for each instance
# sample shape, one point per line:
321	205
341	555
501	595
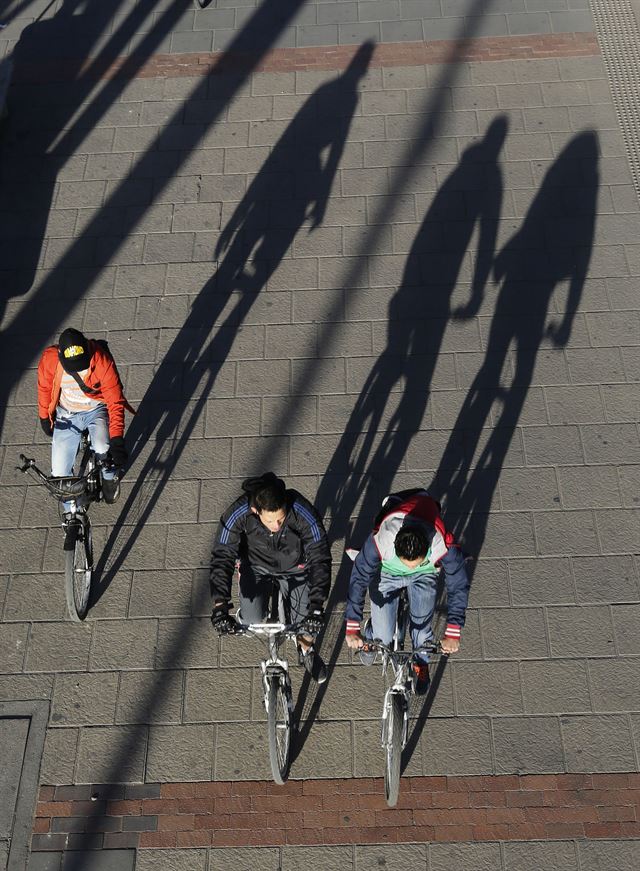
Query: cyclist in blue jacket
408	546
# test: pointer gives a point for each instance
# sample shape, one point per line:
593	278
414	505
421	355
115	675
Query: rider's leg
295	587
64	445
97	422
384	593
422	602
254	591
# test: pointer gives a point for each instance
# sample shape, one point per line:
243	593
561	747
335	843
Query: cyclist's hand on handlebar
313	622
354	640
47	426
221	620
450	645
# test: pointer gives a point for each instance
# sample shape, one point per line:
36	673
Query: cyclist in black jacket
274	536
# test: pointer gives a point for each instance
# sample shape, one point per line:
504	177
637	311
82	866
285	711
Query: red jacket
103	376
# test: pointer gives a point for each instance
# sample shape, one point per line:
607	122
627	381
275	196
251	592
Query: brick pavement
114	196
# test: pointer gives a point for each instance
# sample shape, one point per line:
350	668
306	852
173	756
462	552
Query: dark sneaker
314	665
110	490
421	678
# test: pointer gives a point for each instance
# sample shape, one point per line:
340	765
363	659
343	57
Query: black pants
257	584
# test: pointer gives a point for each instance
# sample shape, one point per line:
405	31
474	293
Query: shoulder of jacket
50	355
237	509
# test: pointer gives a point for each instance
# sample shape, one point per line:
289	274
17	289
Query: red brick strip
324	57
320	812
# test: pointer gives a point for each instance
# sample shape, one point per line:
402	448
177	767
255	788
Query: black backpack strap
90	391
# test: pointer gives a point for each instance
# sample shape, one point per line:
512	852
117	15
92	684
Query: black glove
313	622
221	620
118	451
47	426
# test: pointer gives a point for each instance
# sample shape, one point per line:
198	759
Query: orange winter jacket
103	376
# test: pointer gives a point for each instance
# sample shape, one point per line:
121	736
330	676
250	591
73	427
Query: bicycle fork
397	692
279	669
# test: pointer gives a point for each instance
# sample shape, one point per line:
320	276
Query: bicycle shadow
378	433
553	245
291	189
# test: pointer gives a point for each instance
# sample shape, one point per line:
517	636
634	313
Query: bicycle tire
279	726
79	572
393	749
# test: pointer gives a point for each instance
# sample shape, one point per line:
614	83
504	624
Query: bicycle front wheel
279	722
79	571
393	749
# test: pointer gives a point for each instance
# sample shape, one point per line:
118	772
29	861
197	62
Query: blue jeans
255	591
421	591
67	431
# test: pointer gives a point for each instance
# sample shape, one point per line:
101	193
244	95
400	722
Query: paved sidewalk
451	301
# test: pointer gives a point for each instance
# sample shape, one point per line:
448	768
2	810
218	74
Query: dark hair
266	493
411	542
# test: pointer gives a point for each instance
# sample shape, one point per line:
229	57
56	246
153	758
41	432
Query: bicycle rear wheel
279	723
79	571
393	749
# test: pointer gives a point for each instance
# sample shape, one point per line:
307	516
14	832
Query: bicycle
278	698
395	710
78	491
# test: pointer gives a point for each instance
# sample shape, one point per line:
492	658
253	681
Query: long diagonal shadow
553	246
433	110
35	150
293	185
250	46
361	473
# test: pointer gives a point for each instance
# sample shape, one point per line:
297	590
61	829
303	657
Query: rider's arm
111	389
316	549
46	370
363	572
226	548
457	583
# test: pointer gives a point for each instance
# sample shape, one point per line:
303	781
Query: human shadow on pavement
553	246
291	188
392	403
31	160
57	62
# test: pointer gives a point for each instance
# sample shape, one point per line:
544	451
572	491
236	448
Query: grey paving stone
573	21
247	858
368	756
120	644
178	753
487	688
250	763
513	633
527	856
412	857
158	593
605	579
57	647
313	759
465	857
186	643
598	855
84	699
299	858
580	631
45	861
35	597
522	489
624	525
611	443
457	746
217	695
111	754
23	686
623	617
557	533
106	860
179	860
597	743
589	486
149	697
527	745
21	549
558	686
59	757
615	685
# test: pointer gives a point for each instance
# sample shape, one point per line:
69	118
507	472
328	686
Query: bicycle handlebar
376	644
63	487
266	628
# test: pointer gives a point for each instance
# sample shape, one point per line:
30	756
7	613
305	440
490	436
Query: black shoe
314	665
110	490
